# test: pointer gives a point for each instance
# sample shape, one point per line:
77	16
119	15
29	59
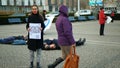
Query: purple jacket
64	28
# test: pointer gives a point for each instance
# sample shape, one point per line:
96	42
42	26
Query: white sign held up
35	32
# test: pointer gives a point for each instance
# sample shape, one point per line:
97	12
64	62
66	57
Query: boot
83	41
59	60
31	65
78	43
38	65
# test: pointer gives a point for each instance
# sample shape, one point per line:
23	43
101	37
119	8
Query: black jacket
49	42
34	44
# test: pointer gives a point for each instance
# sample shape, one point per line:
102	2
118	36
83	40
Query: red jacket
102	17
112	14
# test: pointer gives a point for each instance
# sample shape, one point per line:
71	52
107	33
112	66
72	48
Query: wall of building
24	5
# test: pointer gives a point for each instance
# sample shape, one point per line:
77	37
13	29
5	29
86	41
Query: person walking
102	19
35	45
65	35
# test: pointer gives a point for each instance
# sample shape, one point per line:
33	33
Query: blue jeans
7	40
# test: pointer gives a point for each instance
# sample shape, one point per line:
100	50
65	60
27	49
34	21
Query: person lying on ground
48	44
14	40
52	44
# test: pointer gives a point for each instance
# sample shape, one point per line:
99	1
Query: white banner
108	19
48	22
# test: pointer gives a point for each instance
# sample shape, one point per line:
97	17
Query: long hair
35	6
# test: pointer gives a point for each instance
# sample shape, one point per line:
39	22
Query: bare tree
84	4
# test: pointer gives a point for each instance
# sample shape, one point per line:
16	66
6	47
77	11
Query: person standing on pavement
35	45
112	16
44	13
102	19
65	35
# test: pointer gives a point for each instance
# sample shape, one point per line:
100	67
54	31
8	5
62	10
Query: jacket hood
63	10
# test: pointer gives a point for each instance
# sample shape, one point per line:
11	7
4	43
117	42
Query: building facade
24	6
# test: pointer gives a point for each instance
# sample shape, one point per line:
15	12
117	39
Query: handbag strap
73	50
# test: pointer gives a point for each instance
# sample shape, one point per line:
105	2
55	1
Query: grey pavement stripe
103	42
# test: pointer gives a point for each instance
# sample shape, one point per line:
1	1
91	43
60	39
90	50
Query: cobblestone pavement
98	51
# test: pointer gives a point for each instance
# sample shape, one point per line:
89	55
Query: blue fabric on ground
8	40
19	42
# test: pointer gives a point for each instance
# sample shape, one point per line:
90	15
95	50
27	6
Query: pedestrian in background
102	19
112	16
44	13
65	35
35	45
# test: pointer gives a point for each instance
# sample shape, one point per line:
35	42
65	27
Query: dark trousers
102	29
112	18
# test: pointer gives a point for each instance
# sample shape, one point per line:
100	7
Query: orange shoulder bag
72	60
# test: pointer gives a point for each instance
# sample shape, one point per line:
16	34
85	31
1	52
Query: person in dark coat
65	35
102	19
44	13
52	44
35	45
